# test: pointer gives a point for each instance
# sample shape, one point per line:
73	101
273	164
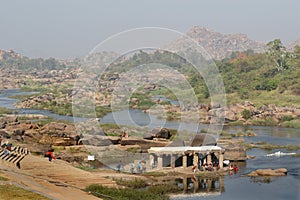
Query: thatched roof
203	139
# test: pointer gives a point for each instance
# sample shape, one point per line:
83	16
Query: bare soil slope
56	179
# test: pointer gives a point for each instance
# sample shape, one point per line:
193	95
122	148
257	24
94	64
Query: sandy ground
57	179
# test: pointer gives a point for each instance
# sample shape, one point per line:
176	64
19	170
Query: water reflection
260	180
200	186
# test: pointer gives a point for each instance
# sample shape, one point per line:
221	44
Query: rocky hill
291	46
220	45
5	55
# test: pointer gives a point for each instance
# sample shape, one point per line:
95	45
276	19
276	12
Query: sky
72	28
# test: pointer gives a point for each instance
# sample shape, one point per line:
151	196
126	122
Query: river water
236	186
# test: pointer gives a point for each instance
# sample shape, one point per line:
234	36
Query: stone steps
15	156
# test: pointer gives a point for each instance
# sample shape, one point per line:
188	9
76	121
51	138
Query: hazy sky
71	28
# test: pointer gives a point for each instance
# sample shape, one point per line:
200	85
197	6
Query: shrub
128	193
246	114
5	111
291	124
287	118
135	183
267	85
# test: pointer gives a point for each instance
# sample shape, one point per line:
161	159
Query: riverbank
245	113
175	178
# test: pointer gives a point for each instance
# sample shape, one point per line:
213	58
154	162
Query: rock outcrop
291	47
220	45
269	172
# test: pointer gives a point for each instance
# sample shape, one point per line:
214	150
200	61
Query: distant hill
220	45
5	55
290	47
12	60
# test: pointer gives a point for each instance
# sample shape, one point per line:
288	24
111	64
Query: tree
277	52
295	57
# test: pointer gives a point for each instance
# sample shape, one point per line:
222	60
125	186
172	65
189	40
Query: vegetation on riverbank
261	78
158	192
295	123
268	146
3	178
5	111
8	191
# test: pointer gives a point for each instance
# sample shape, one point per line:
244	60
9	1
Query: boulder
148	136
57	141
230	116
2	125
19	132
269	172
4	134
162	133
8	120
281	170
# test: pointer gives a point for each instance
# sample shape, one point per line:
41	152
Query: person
6	151
50	155
119	166
8	146
210	167
131	167
194	168
143	166
77	138
152	163
139	167
235	168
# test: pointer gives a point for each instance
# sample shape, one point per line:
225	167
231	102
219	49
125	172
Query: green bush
135	183
287	118
3	178
5	111
268	84
246	114
291	124
128	193
269	121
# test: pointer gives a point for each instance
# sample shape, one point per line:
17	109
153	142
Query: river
236	186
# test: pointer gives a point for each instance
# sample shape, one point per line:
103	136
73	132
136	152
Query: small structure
186	156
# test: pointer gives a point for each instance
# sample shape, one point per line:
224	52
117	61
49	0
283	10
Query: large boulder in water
269	172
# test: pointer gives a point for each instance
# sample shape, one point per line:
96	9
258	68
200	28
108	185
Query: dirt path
56	180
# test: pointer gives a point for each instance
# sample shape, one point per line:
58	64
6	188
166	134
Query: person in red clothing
50	155
235	168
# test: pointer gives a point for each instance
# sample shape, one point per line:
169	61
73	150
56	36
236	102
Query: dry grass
16	193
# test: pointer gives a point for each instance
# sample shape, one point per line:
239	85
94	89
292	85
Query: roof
183	149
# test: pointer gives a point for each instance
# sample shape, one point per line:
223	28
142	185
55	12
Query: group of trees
29	64
243	73
282	58
277	69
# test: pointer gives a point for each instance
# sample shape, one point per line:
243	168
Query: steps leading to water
15	156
